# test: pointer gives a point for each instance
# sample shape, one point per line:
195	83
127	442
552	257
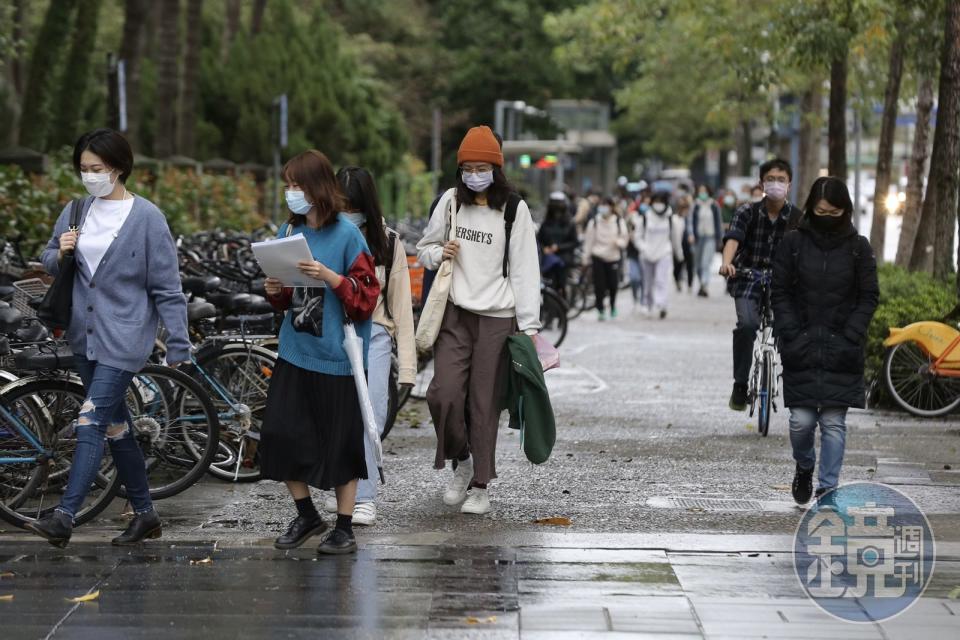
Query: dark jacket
717	221
561	233
528	400
824	293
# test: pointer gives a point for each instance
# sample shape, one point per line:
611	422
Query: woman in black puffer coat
824	293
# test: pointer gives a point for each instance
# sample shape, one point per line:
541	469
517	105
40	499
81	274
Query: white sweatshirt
605	238
658	238
478	284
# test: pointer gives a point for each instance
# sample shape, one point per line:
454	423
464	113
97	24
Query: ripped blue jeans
104	418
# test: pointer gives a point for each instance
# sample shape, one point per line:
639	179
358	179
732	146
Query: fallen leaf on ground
6	598
781	487
954	593
472	620
204	561
7	574
87	598
557	522
489	620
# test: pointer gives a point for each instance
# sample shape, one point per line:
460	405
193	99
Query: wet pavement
680	525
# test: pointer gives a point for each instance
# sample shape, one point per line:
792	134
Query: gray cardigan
116	311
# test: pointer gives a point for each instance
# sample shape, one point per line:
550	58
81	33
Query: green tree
76	77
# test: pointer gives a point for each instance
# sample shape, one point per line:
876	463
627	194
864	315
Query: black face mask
828	224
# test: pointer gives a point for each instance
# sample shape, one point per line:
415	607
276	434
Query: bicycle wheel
764	400
242	371
907	371
48	408
553	317
177	427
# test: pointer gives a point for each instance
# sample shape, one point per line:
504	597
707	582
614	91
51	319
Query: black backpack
509	217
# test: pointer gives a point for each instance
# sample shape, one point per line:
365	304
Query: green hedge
905	297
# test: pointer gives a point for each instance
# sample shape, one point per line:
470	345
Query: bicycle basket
24	292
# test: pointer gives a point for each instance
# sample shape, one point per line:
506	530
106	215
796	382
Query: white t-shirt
100	228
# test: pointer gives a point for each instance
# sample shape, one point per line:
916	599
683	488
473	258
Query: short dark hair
775	163
112	148
833	190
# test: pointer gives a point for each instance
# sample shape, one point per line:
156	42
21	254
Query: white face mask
603	210
776	191
297	202
659	207
98	185
357	218
478	181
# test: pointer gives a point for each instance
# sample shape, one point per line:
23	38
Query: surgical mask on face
644	207
98	185
702	196
603	210
478	181
357	218
297	202
776	191
729	201
659	207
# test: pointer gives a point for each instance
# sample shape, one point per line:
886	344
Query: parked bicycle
922	368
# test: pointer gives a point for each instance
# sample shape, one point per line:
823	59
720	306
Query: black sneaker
338	542
738	399
663	313
299	531
803	485
703	293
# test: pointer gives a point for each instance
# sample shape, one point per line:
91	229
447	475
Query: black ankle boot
143	526
802	487
55	528
300	530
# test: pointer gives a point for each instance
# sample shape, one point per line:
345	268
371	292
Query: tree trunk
231	27
165	142
744	149
888	128
131	51
256	19
811	105
916	171
945	158
51	39
191	74
76	75
16	66
837	128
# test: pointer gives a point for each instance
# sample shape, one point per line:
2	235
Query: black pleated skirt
312	429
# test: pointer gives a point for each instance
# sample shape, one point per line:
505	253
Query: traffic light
525	161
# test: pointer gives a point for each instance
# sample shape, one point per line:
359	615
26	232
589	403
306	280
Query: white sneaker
477	502
365	514
457	489
330	503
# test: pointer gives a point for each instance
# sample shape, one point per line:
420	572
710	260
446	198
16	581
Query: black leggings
606	281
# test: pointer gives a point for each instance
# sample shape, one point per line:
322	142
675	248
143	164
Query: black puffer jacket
824	293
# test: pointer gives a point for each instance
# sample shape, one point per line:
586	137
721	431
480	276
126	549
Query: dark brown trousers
469	378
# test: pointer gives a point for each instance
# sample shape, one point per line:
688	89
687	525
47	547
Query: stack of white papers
279	258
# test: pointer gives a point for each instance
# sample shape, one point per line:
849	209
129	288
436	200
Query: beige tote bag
431	317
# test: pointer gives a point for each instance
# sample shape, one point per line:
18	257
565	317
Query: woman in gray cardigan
128	280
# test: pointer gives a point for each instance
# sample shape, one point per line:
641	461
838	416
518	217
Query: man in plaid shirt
750	243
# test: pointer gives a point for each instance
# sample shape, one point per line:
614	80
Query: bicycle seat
6	290
229	302
197	311
10	320
200	285
44	358
258	322
258	305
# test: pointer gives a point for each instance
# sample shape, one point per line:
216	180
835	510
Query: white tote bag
431	317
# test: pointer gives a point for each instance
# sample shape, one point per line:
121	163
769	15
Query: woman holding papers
312	434
392	318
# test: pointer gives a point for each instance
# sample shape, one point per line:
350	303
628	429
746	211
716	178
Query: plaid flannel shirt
758	237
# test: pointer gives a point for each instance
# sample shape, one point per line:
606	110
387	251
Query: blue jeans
706	247
833	436
635	272
378	381
104	417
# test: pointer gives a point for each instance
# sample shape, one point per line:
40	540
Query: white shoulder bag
431	317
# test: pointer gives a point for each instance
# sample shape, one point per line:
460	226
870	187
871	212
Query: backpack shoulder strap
509	217
75	208
388	270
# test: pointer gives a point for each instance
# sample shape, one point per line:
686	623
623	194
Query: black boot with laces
802	485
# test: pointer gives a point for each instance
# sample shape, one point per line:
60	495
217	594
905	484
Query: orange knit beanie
479	145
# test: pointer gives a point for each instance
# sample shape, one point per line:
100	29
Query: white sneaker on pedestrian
456	490
365	514
477	502
330	503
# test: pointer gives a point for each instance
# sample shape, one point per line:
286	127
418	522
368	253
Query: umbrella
353	345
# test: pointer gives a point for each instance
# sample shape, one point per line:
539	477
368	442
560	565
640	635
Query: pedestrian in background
706	224
824	294
634	269
127	281
558	241
728	209
392	319
604	240
659	238
683	263
483	310
313	431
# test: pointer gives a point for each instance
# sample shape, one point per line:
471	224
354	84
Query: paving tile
572	618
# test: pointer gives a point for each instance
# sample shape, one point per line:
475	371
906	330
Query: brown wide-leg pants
469	376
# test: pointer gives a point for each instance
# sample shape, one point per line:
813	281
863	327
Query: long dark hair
833	190
312	171
497	193
361	193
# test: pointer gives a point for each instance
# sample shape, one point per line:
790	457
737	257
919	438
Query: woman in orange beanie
494	291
